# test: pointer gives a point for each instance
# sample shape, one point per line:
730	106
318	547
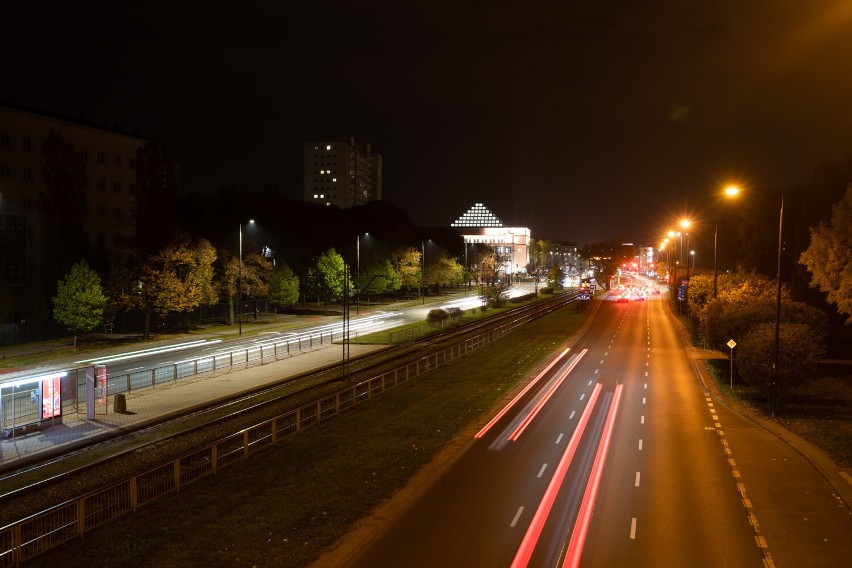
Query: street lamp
358	270
732	191
240	280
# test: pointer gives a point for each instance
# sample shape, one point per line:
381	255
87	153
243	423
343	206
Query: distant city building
480	226
341	172
110	183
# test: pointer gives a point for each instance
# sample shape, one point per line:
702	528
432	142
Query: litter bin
119	404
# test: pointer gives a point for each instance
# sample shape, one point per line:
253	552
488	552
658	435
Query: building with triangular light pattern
480	226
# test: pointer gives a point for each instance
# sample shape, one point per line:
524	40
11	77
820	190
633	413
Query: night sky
583	120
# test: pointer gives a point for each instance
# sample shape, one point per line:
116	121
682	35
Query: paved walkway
151	405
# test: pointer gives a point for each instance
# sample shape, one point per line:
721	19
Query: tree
378	277
443	271
255	274
829	256
80	301
327	276
181	278
555	277
406	263
283	286
797	363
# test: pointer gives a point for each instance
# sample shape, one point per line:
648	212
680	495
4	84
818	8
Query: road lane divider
584	518
528	544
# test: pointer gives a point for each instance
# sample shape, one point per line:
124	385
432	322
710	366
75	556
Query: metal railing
260	354
24	539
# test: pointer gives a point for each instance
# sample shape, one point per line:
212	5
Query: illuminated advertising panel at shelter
51	401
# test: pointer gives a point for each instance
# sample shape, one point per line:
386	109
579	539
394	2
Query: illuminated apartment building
341	172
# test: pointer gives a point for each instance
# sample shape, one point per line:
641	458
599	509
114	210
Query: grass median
284	505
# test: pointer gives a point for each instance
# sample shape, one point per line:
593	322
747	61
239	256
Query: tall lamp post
358	271
422	270
773	396
240	280
730	191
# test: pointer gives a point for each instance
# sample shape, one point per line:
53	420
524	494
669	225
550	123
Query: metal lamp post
240	280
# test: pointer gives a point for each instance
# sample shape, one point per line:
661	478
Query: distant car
623	299
639	298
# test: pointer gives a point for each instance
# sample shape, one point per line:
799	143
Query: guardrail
147	378
25	539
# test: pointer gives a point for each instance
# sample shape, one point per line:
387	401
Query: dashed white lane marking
517	516
641	420
559	438
646	385
541	471
640	443
601	363
636	483
646	373
582	396
596	370
643	400
573	412
590	383
633	529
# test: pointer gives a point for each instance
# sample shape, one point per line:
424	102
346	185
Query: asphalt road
682	479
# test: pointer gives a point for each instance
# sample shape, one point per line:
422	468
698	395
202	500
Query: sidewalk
839	478
152	405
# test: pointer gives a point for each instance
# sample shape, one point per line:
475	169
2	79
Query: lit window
334	180
322	172
316	196
328	147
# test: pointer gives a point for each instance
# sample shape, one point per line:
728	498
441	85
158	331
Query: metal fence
42	531
260	354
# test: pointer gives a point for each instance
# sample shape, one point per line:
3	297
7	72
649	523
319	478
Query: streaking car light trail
545	397
525	551
520	395
152	351
584	518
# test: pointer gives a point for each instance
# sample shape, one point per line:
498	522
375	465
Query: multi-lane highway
613	455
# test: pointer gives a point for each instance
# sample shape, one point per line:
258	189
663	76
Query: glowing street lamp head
732	191
671	234
684	224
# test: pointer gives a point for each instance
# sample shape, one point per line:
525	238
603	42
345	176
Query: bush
455	313
436	315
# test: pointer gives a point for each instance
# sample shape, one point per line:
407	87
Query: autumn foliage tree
829	256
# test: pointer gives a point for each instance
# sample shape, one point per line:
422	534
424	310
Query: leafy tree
79	302
327	276
555	277
181	277
406	263
798	356
283	286
497	294
256	271
443	271
378	277
829	256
